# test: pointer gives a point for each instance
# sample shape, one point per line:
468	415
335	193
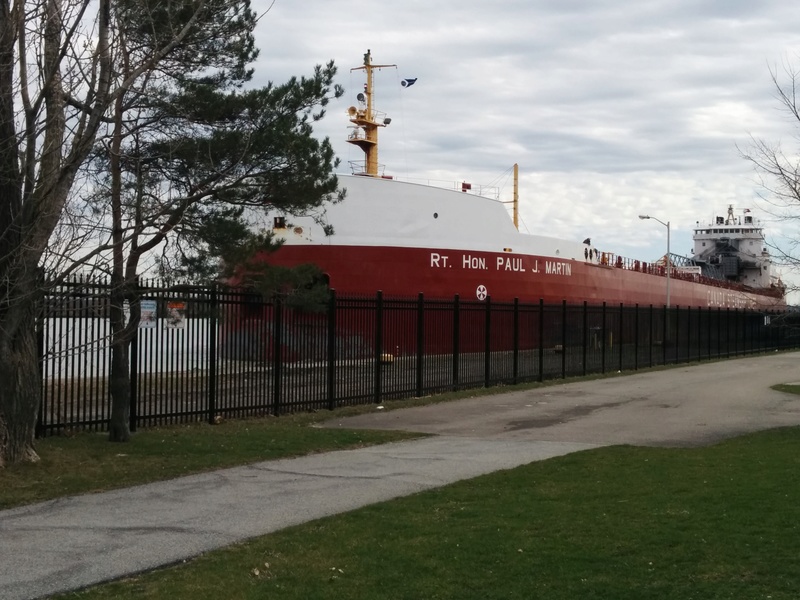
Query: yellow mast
366	134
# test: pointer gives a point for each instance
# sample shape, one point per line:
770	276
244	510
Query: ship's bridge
739	233
735	246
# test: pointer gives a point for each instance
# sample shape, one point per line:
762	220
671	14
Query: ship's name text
502	263
724	299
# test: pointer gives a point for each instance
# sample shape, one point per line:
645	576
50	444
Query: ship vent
730	266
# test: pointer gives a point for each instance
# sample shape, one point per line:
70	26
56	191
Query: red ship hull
443	273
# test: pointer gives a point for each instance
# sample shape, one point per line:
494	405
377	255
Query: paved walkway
74	542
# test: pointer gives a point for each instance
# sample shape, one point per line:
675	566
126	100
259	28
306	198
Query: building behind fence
213	351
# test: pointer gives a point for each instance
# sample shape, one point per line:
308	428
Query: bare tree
56	86
778	169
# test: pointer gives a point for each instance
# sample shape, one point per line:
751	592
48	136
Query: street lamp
668	261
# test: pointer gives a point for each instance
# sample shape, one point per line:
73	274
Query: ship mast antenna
515	201
365	134
516	196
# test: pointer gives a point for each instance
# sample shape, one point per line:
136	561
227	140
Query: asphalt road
682	406
75	542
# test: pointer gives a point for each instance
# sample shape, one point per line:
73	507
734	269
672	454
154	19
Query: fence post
759	324
420	341
277	354
650	336
603	346
689	333
774	334
619	341
750	335
756	335
213	321
133	372
331	382
516	340
766	337
40	325
563	339
487	357
699	337
728	331
665	325
585	334
636	337
541	339
456	339
700	344
747	335
378	346
709	333
740	328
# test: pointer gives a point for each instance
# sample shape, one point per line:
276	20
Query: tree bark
120	377
20	385
20	389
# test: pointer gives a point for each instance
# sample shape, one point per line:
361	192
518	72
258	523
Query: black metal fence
206	352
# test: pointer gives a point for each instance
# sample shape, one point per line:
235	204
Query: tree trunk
120	387
20	390
51	147
120	379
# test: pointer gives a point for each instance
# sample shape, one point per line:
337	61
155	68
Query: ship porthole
435	215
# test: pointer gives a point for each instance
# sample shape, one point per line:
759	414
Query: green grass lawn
789	388
612	523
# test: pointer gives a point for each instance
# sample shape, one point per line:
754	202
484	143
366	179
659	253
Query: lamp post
668	264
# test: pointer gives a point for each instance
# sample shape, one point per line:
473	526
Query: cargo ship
405	239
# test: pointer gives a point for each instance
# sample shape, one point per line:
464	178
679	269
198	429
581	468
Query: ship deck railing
660	270
359	167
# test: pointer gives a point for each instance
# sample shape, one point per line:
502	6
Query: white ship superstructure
733	248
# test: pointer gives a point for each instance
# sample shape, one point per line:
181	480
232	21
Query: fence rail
215	351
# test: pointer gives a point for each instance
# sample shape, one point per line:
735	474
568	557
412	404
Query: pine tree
190	154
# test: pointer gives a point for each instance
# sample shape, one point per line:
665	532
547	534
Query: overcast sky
612	108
